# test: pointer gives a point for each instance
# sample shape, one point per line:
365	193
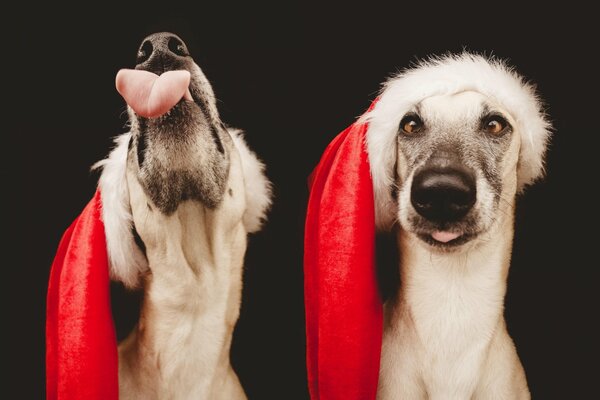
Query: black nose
443	194
161	52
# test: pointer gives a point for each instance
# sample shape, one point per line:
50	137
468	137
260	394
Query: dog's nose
161	52
443	194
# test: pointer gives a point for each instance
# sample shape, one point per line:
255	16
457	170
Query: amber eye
411	124
495	125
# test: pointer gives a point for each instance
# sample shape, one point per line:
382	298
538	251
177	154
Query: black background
293	78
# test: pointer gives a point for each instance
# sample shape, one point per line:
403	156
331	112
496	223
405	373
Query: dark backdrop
293	78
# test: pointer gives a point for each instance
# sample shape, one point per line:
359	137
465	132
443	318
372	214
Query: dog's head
450	143
185	154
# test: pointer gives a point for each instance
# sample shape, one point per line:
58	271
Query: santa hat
351	194
81	348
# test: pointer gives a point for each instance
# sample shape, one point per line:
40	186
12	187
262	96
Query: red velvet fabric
344	318
81	348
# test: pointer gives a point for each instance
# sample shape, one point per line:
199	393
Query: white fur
127	263
445	336
448	75
258	187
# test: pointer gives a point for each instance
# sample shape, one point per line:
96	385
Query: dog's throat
167	189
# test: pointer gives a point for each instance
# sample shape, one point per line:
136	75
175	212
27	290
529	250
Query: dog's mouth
446	239
152	96
445	236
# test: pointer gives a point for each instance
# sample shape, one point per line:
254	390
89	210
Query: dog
451	142
180	193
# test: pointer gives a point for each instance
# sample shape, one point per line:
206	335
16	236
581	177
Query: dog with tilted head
451	142
180	193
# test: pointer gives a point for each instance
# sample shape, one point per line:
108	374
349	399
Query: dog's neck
442	287
448	311
191	296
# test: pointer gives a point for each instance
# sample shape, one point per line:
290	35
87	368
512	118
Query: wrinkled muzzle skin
183	154
454	155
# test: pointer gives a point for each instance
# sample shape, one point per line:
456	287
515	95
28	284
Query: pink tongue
444	237
150	95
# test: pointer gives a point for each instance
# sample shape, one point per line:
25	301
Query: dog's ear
257	186
127	263
535	130
381	144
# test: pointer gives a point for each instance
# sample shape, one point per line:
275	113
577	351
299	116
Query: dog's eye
411	124
495	124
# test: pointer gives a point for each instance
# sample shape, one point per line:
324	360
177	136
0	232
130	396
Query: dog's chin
444	236
179	113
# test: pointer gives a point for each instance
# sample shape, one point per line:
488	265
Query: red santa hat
351	196
81	349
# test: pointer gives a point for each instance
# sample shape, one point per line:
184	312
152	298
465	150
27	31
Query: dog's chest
451	315
438	334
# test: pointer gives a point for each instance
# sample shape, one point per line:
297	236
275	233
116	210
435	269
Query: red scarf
344	317
81	347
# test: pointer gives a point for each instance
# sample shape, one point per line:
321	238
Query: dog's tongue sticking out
444	237
151	95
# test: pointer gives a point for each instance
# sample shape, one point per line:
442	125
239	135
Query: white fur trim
127	262
257	186
447	75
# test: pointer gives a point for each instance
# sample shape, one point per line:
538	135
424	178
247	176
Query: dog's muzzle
443	192
161	78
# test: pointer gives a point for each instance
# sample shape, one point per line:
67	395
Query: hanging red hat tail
81	348
343	306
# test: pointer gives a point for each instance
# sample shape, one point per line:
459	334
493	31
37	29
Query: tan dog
190	190
450	143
